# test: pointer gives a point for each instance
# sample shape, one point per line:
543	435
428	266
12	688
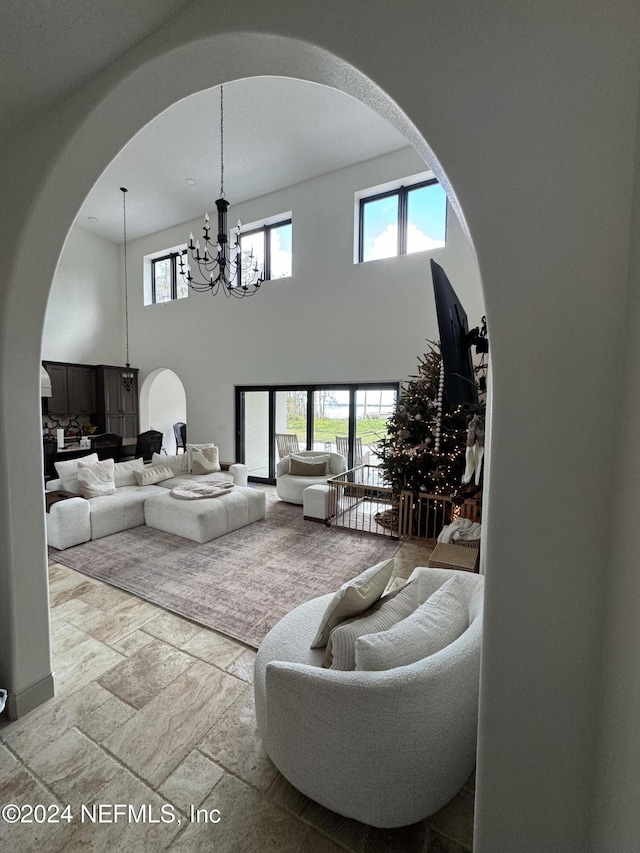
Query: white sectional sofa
76	520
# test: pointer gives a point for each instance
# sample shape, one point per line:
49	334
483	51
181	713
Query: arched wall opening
163	402
78	146
505	108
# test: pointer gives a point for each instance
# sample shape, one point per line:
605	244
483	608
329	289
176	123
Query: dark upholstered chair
180	432
148	443
49	447
107	446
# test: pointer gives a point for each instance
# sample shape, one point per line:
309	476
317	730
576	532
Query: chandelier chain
126	278
221	145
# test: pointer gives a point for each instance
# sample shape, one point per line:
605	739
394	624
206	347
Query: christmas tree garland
424	448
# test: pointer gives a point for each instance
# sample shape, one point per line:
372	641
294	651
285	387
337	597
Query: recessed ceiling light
191	181
92	218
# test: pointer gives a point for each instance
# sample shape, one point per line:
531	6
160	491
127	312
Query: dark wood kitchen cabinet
73	389
117	407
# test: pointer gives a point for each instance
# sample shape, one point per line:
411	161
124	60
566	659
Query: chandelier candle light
127	372
221	265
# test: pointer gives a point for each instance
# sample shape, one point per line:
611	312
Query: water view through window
346	419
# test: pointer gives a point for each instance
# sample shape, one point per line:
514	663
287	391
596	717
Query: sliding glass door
273	420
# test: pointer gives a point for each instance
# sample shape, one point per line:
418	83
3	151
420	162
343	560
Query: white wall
332	321
84	322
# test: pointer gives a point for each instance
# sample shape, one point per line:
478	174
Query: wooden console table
51	498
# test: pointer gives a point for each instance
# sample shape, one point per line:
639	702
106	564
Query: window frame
402	193
265	229
173	268
272	389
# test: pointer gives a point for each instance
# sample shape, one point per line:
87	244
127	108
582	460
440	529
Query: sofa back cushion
431	627
68	472
124	472
179	462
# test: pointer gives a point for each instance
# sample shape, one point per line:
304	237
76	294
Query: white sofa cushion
95	478
68	472
179	462
123	472
430	628
353	597
153	474
340	652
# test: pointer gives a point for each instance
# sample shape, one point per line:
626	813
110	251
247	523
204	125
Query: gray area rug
240	584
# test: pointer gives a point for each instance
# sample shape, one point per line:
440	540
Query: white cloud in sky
385	244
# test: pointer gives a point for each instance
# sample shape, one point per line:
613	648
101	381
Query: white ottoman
317	503
206	518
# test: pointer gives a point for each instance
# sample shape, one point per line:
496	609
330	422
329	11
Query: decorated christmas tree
424	449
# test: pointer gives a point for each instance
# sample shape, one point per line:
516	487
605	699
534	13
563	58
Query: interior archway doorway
163	402
65	172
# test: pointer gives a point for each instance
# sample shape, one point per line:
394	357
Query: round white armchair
385	747
290	487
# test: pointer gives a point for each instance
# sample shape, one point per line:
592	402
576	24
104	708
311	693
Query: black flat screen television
455	343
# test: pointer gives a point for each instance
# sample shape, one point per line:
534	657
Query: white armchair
290	487
387	748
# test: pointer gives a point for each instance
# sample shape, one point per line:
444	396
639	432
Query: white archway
163	402
64	161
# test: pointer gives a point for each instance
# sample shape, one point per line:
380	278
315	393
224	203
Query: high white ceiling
278	132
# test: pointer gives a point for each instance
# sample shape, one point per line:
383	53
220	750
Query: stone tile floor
157	712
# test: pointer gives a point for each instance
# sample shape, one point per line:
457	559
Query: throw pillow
340	652
307	468
352	598
179	462
205	461
67	470
430	628
191	448
153	474
124	472
96	479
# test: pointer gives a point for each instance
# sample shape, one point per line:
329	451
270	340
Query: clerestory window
402	220
166	282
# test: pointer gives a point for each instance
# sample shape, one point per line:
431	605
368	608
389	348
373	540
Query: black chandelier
219	265
127	372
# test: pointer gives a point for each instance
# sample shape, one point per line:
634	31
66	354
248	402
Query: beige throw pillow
205	461
68	472
201	447
95	479
307	467
340	652
352	598
430	628
153	474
